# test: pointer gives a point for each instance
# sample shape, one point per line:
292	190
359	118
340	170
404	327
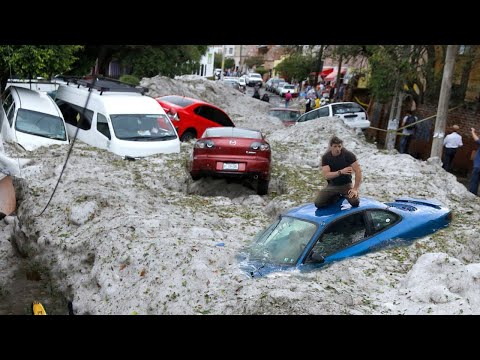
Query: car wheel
262	187
187	136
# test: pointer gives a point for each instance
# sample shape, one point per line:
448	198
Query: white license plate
230	166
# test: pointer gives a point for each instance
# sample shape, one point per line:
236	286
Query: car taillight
202	144
260	146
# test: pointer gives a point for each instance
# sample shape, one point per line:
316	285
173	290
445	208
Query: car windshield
143	127
40	124
346	108
283	241
285	115
177	100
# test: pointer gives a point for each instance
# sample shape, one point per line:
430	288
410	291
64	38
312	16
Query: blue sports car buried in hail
306	238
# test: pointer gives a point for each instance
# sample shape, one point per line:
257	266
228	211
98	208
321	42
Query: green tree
254	61
391	66
217	61
296	66
166	60
31	61
261	70
229	63
130	79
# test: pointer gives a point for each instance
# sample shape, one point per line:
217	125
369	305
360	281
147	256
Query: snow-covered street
140	237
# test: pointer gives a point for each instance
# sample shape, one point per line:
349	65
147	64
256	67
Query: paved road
275	100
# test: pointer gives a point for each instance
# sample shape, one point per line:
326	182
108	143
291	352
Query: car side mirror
316	257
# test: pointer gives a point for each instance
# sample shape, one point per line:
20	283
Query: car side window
221	118
73	115
205	112
291	115
339	235
381	220
7	100
311	115
301	118
11	114
102	125
323	112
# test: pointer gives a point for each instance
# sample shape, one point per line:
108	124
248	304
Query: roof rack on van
105	84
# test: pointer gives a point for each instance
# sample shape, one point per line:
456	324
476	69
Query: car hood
31	142
256	268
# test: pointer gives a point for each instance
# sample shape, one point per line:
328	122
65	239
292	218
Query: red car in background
193	116
232	152
288	116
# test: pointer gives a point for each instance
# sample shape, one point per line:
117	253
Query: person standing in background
308	104
451	143
288	97
473	187
407	132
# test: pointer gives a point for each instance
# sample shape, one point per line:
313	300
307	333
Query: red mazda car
193	116
232	152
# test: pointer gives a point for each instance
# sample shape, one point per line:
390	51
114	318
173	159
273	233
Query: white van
117	117
31	119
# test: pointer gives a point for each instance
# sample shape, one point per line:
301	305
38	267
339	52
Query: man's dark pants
332	193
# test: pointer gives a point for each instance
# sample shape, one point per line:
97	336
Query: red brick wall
465	119
421	149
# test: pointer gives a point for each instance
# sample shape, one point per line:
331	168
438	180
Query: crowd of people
321	94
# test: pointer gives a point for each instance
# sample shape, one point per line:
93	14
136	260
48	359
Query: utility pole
443	100
339	76
240	61
223	61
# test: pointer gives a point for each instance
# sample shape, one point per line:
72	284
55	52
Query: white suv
254	78
352	114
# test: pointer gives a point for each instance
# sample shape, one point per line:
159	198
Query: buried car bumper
236	167
354	123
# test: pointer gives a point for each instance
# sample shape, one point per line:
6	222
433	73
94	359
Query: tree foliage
130	79
254	61
348	52
217	61
296	66
229	63
166	60
391	65
31	61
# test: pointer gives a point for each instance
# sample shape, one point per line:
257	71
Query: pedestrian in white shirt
451	143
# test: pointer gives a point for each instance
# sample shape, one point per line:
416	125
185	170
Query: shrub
130	79
261	70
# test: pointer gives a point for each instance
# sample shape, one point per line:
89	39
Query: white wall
207	62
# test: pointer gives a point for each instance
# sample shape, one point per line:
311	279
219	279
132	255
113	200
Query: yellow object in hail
38	308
